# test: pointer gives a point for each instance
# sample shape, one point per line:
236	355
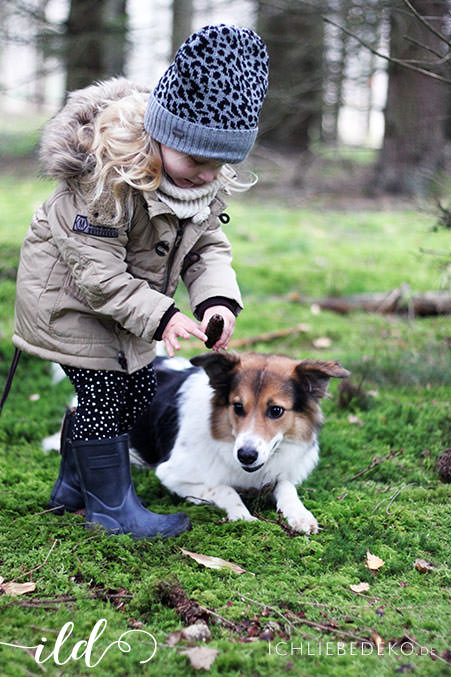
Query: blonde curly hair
127	157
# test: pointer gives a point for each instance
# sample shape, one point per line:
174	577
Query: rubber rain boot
109	494
66	493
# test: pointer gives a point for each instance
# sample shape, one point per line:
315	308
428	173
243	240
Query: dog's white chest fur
202	468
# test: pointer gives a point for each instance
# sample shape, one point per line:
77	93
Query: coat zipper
178	240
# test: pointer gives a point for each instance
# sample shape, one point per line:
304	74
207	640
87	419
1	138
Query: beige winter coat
92	295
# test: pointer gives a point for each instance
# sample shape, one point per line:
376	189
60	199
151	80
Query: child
138	206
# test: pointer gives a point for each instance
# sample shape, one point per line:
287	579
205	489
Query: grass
296	592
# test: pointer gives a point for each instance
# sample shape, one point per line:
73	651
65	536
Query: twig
392	498
223	620
305	621
269	336
430	651
375	462
26	573
267	606
286	527
392	59
425	23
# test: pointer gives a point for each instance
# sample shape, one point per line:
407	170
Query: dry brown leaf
18	588
201	656
373	562
379	642
422	565
174	638
213	562
360	587
197	632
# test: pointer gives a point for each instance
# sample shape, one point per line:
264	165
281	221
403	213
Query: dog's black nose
247	455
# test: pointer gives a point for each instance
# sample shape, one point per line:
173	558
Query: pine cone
214	330
444	466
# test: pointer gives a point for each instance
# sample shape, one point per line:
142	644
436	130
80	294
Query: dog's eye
275	412
238	409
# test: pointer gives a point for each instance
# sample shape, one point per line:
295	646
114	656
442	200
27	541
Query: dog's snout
247	455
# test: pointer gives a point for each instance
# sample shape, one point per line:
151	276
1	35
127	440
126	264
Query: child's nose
207	175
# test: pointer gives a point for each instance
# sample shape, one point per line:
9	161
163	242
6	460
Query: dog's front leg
222	496
292	508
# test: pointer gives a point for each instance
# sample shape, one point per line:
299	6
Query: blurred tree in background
330	61
415	114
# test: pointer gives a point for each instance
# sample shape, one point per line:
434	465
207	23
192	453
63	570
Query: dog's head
259	400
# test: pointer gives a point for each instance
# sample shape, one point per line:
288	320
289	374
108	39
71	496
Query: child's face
189	171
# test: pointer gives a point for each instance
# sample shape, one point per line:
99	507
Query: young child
138	206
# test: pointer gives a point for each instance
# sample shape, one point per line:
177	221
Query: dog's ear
313	376
219	367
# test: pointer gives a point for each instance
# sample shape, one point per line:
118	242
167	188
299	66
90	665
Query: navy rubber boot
66	493
109	495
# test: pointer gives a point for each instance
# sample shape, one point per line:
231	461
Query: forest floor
377	488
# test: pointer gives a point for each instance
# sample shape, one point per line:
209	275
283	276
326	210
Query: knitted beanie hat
208	101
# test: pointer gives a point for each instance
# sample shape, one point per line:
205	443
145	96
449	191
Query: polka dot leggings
109	402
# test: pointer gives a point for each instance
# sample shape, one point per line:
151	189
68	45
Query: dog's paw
303	521
240	514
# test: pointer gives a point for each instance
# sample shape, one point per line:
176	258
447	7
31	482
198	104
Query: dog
224	423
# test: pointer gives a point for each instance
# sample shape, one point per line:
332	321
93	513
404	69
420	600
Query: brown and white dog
227	423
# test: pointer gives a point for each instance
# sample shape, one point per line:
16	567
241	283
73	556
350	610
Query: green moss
299	586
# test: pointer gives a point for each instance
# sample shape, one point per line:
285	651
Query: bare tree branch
426	23
391	59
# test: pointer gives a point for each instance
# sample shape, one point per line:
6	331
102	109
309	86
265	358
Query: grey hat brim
188	137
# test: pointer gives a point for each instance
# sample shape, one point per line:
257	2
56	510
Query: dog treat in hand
214	330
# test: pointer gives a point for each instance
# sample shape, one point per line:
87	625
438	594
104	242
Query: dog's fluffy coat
231	423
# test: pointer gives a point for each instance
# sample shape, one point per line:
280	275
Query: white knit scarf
189	203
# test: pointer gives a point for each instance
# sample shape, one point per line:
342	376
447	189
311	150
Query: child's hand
229	325
180	325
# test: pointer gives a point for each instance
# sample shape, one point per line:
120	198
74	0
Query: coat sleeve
96	259
211	274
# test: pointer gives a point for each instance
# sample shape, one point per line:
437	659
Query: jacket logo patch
82	225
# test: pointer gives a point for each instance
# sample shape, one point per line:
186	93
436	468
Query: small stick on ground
375	462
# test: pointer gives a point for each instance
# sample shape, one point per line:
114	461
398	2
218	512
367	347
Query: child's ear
313	376
219	367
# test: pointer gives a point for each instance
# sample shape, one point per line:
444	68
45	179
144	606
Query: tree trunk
182	21
84	42
416	105
293	32
115	41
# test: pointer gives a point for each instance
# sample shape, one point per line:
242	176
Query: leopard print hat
208	101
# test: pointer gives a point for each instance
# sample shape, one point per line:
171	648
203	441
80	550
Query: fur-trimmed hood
62	155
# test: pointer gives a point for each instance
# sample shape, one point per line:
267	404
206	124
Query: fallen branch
375	462
399	300
269	336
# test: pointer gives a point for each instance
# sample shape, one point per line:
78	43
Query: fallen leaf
360	587
422	565
322	342
379	642
174	638
18	588
201	657
136	625
198	632
373	562
213	562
